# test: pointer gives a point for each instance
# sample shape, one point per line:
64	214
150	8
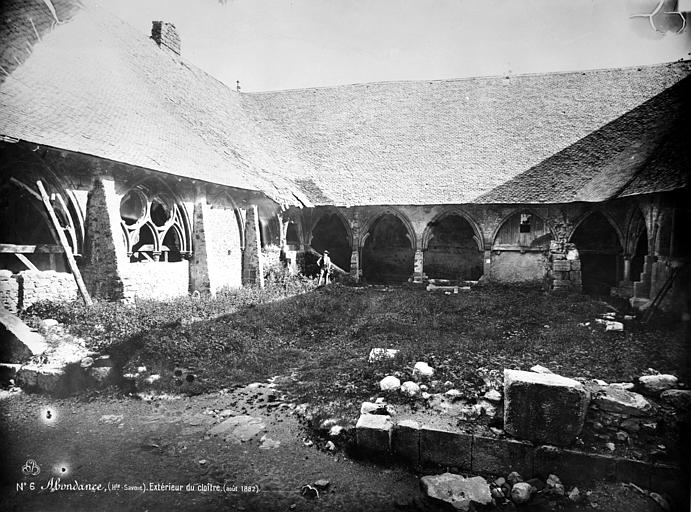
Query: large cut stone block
445	448
405	441
17	341
373	433
502	456
544	408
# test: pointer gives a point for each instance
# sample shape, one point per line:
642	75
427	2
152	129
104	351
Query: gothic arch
547	228
582	218
375	217
448	211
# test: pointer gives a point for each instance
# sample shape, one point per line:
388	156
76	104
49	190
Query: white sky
284	44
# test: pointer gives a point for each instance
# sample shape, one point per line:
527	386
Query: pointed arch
512	233
372	219
388	249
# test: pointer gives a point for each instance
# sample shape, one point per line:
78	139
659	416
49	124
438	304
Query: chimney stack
166	36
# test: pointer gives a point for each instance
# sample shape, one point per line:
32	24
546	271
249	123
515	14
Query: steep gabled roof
97	86
559	137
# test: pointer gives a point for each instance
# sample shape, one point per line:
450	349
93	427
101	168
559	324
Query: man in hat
324	264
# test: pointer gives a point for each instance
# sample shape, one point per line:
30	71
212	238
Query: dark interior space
600	253
387	256
331	234
452	252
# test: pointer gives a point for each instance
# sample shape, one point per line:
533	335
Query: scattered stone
626	386
422	370
152	378
538	484
46	379
575	495
493	395
424	387
202	462
330	446
540	369
410	388
390	383
141	369
611	325
543	408
497	493
656	384
309	492
554	486
617	400
456	490
521	492
238	428
610	446
486	408
322	484
87	362
677	398
500	481
379	354
328	423
453	394
336	430
513	478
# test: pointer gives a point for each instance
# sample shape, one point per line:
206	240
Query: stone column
253	266
627	269
486	263
418	266
104	249
355	244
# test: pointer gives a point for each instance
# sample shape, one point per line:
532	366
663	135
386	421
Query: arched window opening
330	234
600	253
452	252
154	226
387	256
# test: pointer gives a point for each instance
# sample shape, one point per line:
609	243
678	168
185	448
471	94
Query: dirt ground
132	443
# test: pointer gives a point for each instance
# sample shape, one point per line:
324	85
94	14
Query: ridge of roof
509	76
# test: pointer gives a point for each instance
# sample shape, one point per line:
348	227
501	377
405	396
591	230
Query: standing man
324	264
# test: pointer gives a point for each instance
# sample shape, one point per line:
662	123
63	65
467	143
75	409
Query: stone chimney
165	36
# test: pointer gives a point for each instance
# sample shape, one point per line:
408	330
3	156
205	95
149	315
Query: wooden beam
333	265
66	246
25	187
31	249
26	261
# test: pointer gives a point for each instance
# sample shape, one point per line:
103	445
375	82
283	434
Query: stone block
543	408
576	265
561	265
46	379
8	371
501	456
445	448
405	441
17	341
573	467
620	401
373	433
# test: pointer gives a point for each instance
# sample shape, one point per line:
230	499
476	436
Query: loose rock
422	370
456	490
656	384
410	388
521	492
677	398
514	477
389	383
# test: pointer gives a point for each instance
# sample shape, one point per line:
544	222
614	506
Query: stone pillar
627	269
486	263
355	244
104	247
252	267
355	263
418	266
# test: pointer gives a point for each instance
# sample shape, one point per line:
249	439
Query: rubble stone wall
155	280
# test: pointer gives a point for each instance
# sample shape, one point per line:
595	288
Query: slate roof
95	85
560	137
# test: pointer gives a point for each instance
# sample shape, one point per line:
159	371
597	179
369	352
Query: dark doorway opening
638	257
452	252
387	256
600	253
331	234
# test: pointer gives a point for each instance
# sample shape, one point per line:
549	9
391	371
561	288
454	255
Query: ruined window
525	223
155	227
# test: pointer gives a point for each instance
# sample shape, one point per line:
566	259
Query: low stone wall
155	280
19	291
565	267
517	267
9	291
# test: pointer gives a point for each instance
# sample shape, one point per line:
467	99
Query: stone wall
19	291
9	291
517	267
155	280
565	267
252	264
